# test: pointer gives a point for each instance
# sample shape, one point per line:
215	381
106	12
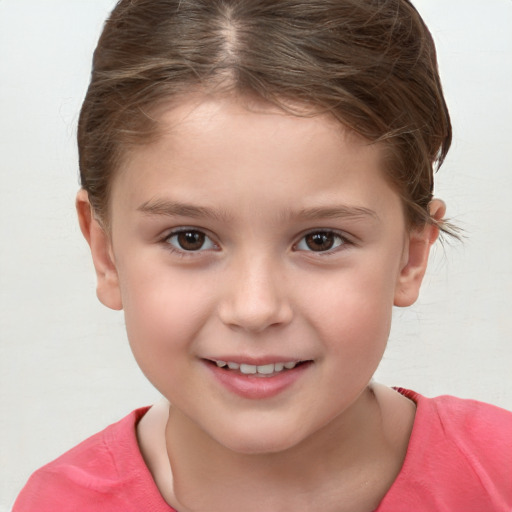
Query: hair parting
370	63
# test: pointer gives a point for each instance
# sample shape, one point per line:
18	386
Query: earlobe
416	257
107	289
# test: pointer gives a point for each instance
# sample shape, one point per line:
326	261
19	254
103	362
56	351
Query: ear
415	258
107	289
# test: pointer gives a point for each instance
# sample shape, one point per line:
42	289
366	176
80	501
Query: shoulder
476	433
104	471
459	458
473	428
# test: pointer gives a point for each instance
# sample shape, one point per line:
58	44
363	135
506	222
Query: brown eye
320	241
190	240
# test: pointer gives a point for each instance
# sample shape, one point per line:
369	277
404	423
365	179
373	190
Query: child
257	194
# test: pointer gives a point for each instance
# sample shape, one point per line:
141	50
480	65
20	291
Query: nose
255	296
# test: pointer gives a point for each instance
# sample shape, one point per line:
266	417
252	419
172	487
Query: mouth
250	380
264	370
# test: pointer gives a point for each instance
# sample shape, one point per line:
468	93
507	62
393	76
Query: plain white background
65	366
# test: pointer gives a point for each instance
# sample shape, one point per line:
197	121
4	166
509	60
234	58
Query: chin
258	440
259	446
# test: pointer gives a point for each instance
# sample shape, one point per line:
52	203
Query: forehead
200	114
252	155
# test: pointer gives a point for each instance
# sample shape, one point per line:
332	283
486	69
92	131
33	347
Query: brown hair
371	63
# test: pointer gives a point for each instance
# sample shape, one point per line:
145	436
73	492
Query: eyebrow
178	209
336	212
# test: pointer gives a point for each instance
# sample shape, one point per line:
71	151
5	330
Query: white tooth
221	364
265	369
247	369
289	366
278	367
234	366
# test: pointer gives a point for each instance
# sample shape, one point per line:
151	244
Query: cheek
352	311
163	312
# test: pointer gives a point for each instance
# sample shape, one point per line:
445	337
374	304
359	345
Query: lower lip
257	388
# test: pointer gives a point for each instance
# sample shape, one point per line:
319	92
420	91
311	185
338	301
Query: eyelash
182	251
339	242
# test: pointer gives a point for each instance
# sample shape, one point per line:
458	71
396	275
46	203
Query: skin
256	181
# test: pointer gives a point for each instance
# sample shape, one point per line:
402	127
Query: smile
257	381
250	369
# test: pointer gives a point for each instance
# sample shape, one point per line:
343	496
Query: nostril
255	316
254	297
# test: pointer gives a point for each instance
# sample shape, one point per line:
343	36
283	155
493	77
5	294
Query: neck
350	463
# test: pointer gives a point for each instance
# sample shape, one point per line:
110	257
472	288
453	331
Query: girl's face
248	240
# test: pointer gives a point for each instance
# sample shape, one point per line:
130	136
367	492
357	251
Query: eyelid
183	252
345	240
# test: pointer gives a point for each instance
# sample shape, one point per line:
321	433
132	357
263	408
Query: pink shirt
459	460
